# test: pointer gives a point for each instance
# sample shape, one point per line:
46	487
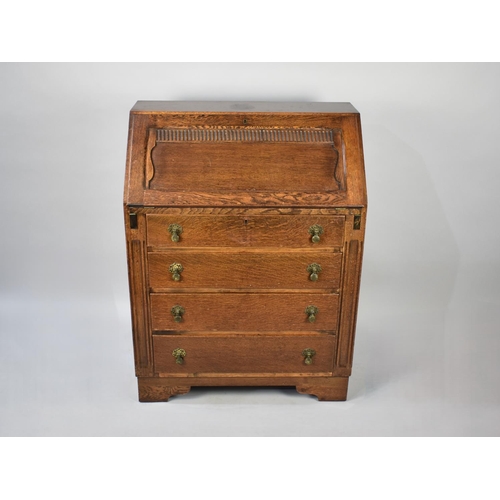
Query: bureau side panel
135	182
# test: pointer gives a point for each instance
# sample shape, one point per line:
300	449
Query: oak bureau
244	224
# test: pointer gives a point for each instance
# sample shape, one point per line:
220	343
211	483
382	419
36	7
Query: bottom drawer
209	354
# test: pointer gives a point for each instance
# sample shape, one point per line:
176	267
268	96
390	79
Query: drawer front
244	270
261	231
240	312
243	354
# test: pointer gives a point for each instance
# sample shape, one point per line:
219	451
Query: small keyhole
245	121
246	221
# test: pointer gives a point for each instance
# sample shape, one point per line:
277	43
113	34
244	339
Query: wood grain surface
324	387
159	198
245	230
351	176
227	107
241	312
243	354
235	268
244	166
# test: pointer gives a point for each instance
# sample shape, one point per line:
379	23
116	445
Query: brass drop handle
175	230
179	355
311	312
177	312
315	231
308	354
314	270
176	270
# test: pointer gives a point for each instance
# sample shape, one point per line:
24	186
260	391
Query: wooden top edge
243	107
269	208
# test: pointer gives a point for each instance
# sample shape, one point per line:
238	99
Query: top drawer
308	231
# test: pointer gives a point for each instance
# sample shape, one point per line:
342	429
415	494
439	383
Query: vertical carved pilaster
353	251
143	351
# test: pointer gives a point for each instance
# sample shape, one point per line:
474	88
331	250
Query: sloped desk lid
255	154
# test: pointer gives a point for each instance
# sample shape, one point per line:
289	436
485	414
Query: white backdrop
427	350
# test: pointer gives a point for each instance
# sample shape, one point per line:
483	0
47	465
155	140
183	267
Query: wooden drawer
245	230
244	354
241	312
244	269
